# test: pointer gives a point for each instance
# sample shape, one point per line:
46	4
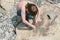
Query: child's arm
37	16
23	15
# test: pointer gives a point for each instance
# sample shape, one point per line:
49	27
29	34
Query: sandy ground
24	34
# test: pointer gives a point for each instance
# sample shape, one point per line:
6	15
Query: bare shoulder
39	11
21	4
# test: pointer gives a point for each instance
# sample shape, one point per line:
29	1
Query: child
27	10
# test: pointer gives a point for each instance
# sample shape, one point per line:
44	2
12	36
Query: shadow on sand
17	23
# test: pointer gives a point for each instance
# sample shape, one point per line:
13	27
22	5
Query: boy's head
32	9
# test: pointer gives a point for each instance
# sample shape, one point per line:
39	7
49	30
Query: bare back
21	4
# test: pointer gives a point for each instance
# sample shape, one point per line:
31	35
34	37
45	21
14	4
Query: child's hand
33	26
35	22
